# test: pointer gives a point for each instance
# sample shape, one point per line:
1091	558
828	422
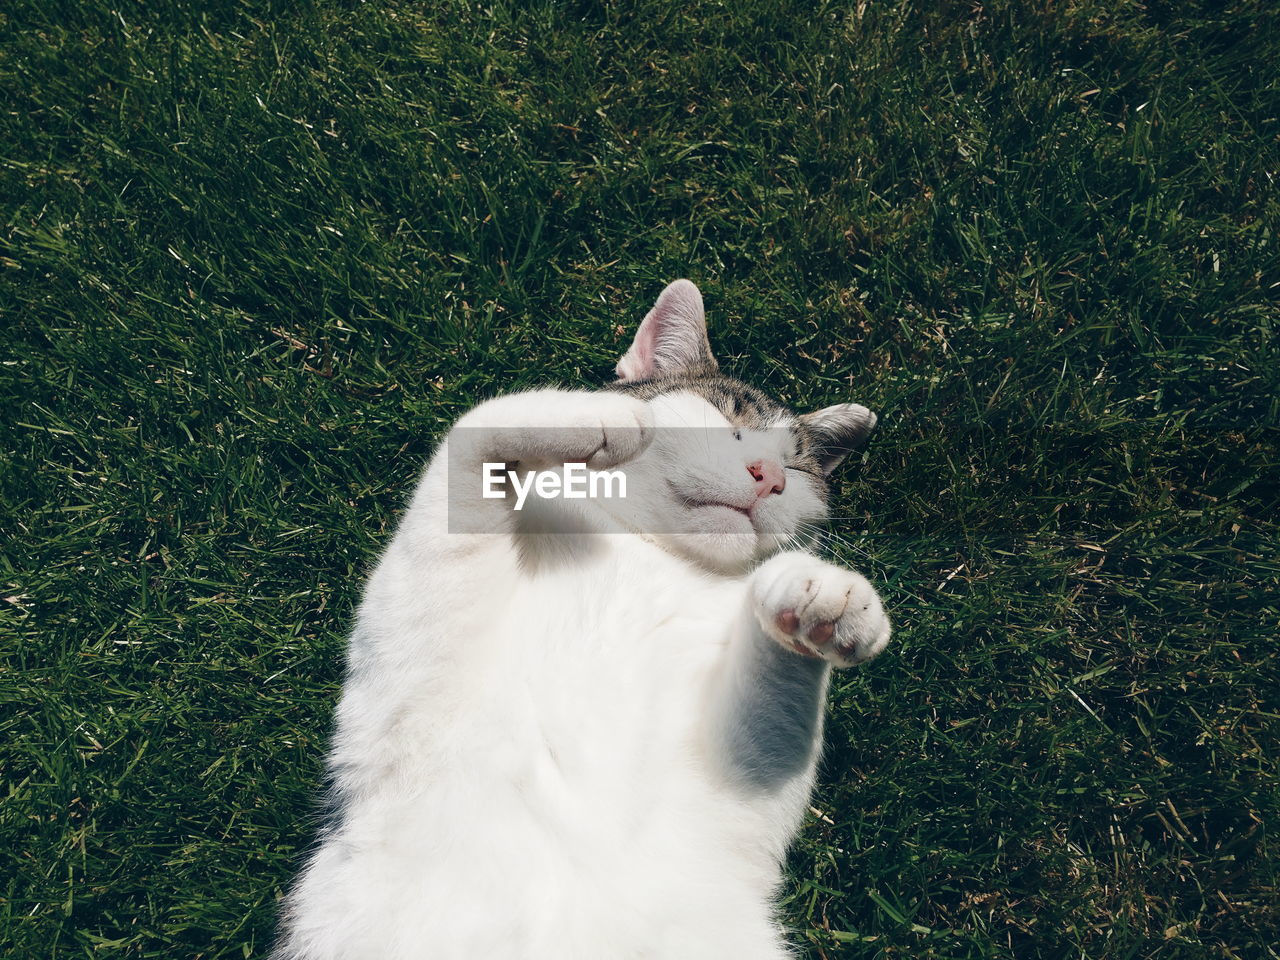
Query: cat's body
570	736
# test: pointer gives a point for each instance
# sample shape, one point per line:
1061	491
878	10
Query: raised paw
819	610
602	430
624	429
544	428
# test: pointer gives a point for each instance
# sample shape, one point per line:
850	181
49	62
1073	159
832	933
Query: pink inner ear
672	335
637	363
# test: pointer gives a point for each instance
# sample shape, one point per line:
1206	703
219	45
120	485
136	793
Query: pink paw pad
820	633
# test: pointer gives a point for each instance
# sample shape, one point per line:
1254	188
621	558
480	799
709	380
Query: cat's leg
802	616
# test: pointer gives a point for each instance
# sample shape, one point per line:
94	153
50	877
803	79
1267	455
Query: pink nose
768	476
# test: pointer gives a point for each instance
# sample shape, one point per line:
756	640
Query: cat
584	732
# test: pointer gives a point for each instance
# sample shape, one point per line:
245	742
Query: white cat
585	730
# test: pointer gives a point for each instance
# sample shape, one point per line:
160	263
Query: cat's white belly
564	805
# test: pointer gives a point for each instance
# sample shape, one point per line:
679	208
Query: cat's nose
768	476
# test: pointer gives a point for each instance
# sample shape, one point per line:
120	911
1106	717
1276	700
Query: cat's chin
724	539
721	519
725	553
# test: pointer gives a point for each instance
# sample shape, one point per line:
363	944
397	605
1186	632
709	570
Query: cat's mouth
716	503
708	504
699	503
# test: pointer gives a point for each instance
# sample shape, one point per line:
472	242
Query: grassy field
255	258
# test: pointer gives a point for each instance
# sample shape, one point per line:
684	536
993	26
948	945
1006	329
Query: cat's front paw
546	428
819	610
623	428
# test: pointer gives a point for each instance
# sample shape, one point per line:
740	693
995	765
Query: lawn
255	259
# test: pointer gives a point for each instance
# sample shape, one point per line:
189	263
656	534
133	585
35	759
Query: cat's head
732	475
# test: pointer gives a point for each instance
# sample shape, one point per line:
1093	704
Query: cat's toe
627	429
787	621
863	632
820	633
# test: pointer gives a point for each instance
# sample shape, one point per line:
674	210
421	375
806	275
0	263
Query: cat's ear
672	337
837	431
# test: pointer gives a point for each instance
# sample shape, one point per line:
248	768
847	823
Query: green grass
254	259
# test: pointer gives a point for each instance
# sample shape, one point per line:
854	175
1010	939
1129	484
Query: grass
254	259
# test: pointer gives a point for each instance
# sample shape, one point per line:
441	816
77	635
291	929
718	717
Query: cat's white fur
558	746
